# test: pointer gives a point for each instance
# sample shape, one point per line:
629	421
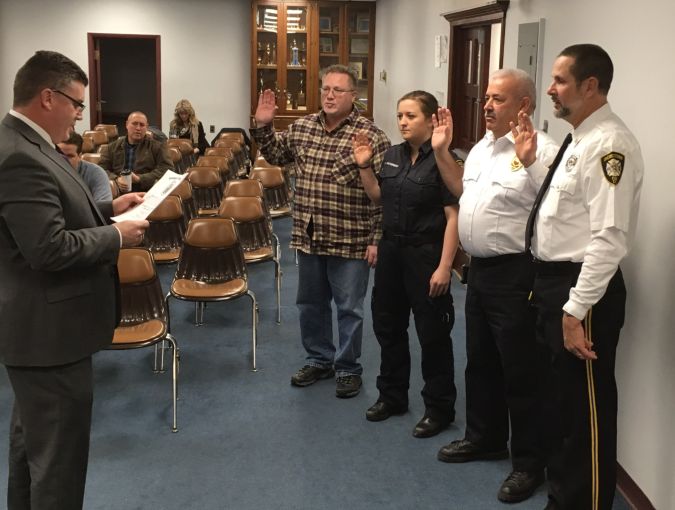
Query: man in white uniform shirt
503	362
582	230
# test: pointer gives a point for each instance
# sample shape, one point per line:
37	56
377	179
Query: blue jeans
345	281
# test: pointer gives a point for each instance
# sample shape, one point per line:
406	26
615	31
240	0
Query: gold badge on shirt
516	164
460	162
571	161
612	166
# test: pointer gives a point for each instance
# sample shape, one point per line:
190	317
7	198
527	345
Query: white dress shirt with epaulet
584	216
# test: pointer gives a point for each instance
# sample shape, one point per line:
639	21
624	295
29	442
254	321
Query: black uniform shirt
413	195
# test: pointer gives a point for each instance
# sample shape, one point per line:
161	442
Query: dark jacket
58	256
151	162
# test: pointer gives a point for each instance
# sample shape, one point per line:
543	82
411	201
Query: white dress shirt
584	216
498	195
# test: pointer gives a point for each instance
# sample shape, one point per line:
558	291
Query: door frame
94	72
477	16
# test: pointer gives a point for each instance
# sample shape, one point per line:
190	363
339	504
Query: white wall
640	94
205	47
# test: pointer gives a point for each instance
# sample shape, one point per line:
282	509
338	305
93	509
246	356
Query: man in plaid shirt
335	226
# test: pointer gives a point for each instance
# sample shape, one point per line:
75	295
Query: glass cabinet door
267	45
359	25
296	58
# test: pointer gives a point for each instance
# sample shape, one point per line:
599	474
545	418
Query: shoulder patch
612	166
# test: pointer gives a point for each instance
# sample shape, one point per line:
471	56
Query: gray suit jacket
58	274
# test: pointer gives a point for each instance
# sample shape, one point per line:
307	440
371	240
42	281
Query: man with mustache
503	364
581	231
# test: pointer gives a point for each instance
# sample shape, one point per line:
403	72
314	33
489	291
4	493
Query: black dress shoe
380	411
429	426
519	486
464	450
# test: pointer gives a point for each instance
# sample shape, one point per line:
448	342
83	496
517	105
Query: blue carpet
252	441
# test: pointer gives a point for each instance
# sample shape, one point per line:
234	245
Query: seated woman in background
414	259
186	125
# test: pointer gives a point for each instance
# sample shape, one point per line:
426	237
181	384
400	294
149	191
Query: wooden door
470	77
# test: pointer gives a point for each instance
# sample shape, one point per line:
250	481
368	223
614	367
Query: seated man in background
93	175
147	159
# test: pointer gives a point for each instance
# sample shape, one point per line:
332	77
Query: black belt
499	259
557	267
412	239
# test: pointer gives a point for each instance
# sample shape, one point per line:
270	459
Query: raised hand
443	127
525	138
267	108
363	149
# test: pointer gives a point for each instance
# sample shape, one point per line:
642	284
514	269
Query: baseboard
630	491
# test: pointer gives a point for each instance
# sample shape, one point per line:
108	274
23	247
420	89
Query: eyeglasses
336	92
76	103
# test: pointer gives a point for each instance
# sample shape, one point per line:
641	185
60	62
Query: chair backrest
244	188
261	162
88	145
251	220
102	148
92	157
98	137
212	252
221	162
228	144
276	188
164	236
207	186
184	191
110	129
140	288
224	152
176	156
234	136
270	177
182	144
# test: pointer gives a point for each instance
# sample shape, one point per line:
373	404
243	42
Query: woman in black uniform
414	261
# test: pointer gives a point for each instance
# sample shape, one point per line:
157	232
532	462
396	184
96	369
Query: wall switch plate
212	128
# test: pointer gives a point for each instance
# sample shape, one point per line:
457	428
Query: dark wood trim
477	13
630	490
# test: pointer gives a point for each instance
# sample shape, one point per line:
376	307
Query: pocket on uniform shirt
425	188
514	181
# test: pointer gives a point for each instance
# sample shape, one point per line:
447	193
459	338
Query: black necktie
529	231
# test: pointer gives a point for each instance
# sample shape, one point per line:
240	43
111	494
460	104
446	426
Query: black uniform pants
49	436
581	407
402	283
504	367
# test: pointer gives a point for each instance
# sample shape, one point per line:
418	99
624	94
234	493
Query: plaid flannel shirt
329	194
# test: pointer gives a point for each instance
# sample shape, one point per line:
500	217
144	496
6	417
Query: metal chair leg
277	278
254	337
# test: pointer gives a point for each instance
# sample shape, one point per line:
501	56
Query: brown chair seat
145	333
209	291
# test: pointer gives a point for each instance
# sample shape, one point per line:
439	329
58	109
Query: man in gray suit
59	291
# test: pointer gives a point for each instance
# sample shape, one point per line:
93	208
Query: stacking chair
184	191
222	163
144	315
239	154
212	268
252	188
276	190
101	148
110	130
92	157
255	234
164	236
88	145
207	189
98	137
177	159
186	149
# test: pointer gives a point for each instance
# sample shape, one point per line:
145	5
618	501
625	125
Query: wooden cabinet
293	40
